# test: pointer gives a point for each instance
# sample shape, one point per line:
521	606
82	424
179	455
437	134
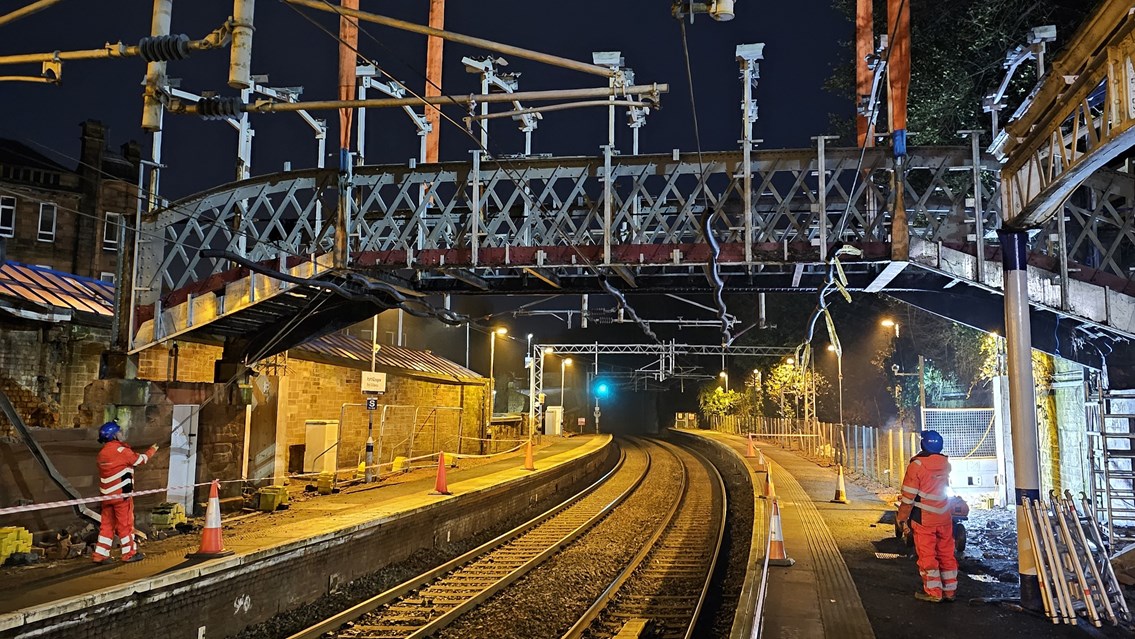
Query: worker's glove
153	450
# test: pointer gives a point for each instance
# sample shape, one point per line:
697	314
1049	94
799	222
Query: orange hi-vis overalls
926	504
116	477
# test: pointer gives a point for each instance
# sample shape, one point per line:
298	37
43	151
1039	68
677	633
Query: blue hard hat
108	431
931	441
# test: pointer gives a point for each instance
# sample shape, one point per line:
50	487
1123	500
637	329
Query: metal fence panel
966	432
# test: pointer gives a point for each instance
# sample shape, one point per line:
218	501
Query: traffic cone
211	543
762	465
528	463
777	556
440	486
749	453
840	489
770	488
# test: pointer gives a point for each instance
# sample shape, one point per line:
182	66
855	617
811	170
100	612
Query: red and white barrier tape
91	500
153	491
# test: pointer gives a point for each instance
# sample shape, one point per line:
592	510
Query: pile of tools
1072	558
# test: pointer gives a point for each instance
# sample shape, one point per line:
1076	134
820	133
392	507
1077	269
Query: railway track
429	602
661	593
662	588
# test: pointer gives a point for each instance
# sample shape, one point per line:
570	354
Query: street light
563	366
839	363
492	361
890	323
725	376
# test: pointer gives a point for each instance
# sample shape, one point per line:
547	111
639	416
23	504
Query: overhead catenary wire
510	171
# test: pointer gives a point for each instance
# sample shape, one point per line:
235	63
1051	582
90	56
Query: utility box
554	420
320	453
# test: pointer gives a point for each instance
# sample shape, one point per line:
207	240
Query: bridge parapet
540	222
523	213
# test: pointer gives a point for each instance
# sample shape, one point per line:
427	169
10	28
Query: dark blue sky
802	47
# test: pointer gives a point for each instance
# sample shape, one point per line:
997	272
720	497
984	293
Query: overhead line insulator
219	107
164	48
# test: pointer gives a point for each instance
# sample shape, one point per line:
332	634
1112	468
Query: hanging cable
707	213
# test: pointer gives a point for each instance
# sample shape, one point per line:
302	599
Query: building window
110	231
106	277
7	216
46	222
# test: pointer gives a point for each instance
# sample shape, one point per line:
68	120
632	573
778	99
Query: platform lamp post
563	368
725	376
839	368
492	361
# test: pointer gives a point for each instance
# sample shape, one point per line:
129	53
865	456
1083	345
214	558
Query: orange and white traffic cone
528	463
440	485
770	488
749	452
211	543
762	465
840	489
776	554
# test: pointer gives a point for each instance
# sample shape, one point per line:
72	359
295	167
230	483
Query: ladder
1073	563
1111	452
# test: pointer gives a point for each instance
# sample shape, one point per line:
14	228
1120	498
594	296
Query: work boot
922	596
132	558
949	598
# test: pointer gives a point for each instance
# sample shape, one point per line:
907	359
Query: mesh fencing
966	432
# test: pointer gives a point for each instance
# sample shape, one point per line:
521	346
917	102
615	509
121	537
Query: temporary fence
878	453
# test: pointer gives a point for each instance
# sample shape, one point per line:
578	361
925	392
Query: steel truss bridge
542	226
243	259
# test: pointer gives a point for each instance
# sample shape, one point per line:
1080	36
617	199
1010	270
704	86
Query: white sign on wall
374	382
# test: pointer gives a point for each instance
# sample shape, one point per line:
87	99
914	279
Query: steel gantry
661	366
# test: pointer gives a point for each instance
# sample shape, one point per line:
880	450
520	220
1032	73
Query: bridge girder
1079	118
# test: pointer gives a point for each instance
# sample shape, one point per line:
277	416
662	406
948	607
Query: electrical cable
870	129
707	214
510	171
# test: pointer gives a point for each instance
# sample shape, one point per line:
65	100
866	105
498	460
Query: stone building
53	329
67	219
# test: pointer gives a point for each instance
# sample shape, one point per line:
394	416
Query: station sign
374	382
372	403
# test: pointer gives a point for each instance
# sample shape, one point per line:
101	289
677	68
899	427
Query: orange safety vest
925	490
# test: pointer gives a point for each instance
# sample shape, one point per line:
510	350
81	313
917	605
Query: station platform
853	579
815	597
32	594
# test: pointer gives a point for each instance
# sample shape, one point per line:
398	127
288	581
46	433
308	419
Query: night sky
802	48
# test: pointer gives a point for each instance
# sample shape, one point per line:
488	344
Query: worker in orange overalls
926	506
116	477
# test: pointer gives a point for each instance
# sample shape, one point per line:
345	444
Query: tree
785	388
957	49
714	401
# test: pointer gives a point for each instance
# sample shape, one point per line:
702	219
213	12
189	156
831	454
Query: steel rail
621	599
474	557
